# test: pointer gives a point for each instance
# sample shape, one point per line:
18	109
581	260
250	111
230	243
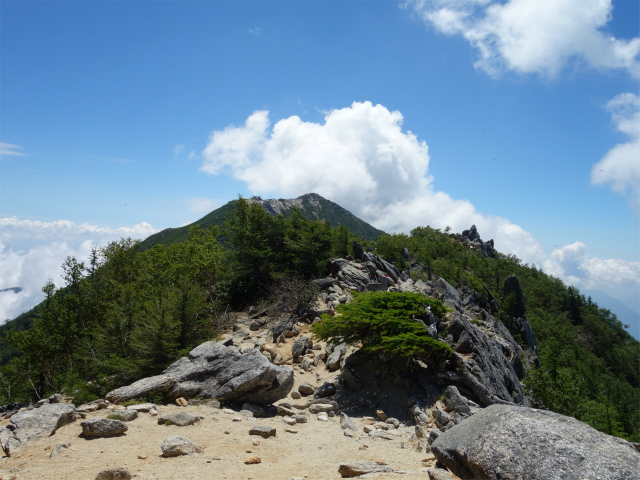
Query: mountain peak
311	205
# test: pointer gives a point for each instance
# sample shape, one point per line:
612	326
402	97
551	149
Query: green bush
386	323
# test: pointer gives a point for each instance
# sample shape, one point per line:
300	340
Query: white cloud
616	278
234	147
255	30
540	36
10	150
33	251
620	167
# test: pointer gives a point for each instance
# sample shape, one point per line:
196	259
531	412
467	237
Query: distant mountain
625	314
312	206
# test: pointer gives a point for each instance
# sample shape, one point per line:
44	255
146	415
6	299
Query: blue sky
124	118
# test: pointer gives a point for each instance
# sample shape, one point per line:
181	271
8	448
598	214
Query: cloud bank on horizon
31	250
361	158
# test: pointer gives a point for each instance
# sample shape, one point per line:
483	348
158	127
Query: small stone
180	419
393	421
256	411
290	430
59	448
368	428
103	427
321	407
306	389
252	460
153	412
299	418
327	389
123	415
181	402
438	474
295	394
228	410
114	474
355	469
284	411
176	446
381	434
263	430
289	420
381	415
323	417
346	423
142	457
142	407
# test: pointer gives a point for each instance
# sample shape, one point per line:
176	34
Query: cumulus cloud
361	158
10	150
539	36
33	251
620	167
616	278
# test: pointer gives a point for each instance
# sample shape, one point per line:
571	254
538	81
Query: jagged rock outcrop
215	371
486	365
367	272
472	238
489	362
512	287
504	441
37	423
